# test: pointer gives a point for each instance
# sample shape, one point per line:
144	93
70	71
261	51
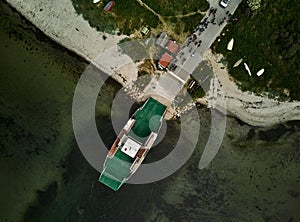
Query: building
162	40
172	47
145	30
164	61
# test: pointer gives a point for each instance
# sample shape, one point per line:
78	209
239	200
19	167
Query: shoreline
76	35
252	109
61	23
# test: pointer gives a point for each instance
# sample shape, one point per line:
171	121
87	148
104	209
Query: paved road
203	37
191	53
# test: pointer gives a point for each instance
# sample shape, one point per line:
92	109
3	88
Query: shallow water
254	177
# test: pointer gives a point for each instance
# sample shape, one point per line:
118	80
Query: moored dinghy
260	72
230	45
108	6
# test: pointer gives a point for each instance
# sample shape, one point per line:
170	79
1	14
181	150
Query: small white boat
260	72
230	45
247	68
237	63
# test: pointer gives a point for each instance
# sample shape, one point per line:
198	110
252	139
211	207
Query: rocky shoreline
62	24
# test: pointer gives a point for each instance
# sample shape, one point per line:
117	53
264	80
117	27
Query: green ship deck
116	169
147	119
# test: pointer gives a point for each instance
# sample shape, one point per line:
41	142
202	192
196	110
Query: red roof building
165	60
172	47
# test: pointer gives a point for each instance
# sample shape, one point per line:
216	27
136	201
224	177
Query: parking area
190	55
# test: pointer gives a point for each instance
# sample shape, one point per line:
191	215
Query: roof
131	147
145	30
165	60
161	37
172	47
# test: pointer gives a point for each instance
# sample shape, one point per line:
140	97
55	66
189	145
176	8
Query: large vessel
132	144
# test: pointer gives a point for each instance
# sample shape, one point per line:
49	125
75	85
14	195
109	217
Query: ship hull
132	144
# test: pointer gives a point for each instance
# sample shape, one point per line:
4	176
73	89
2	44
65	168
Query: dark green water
43	176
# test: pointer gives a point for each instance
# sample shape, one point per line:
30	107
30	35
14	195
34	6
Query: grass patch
130	15
146	68
185	24
127	16
191	22
266	38
176	7
94	14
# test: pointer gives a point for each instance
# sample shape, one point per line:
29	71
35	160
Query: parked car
224	3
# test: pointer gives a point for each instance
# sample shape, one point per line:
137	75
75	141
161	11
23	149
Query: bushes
129	16
95	15
176	7
266	38
125	15
133	16
191	22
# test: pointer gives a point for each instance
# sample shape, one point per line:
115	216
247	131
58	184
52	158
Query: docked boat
132	144
108	6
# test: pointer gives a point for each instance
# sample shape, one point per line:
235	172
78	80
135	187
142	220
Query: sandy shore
254	110
59	21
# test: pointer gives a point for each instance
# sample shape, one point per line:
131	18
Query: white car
224	3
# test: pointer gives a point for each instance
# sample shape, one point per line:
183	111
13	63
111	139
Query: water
44	177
